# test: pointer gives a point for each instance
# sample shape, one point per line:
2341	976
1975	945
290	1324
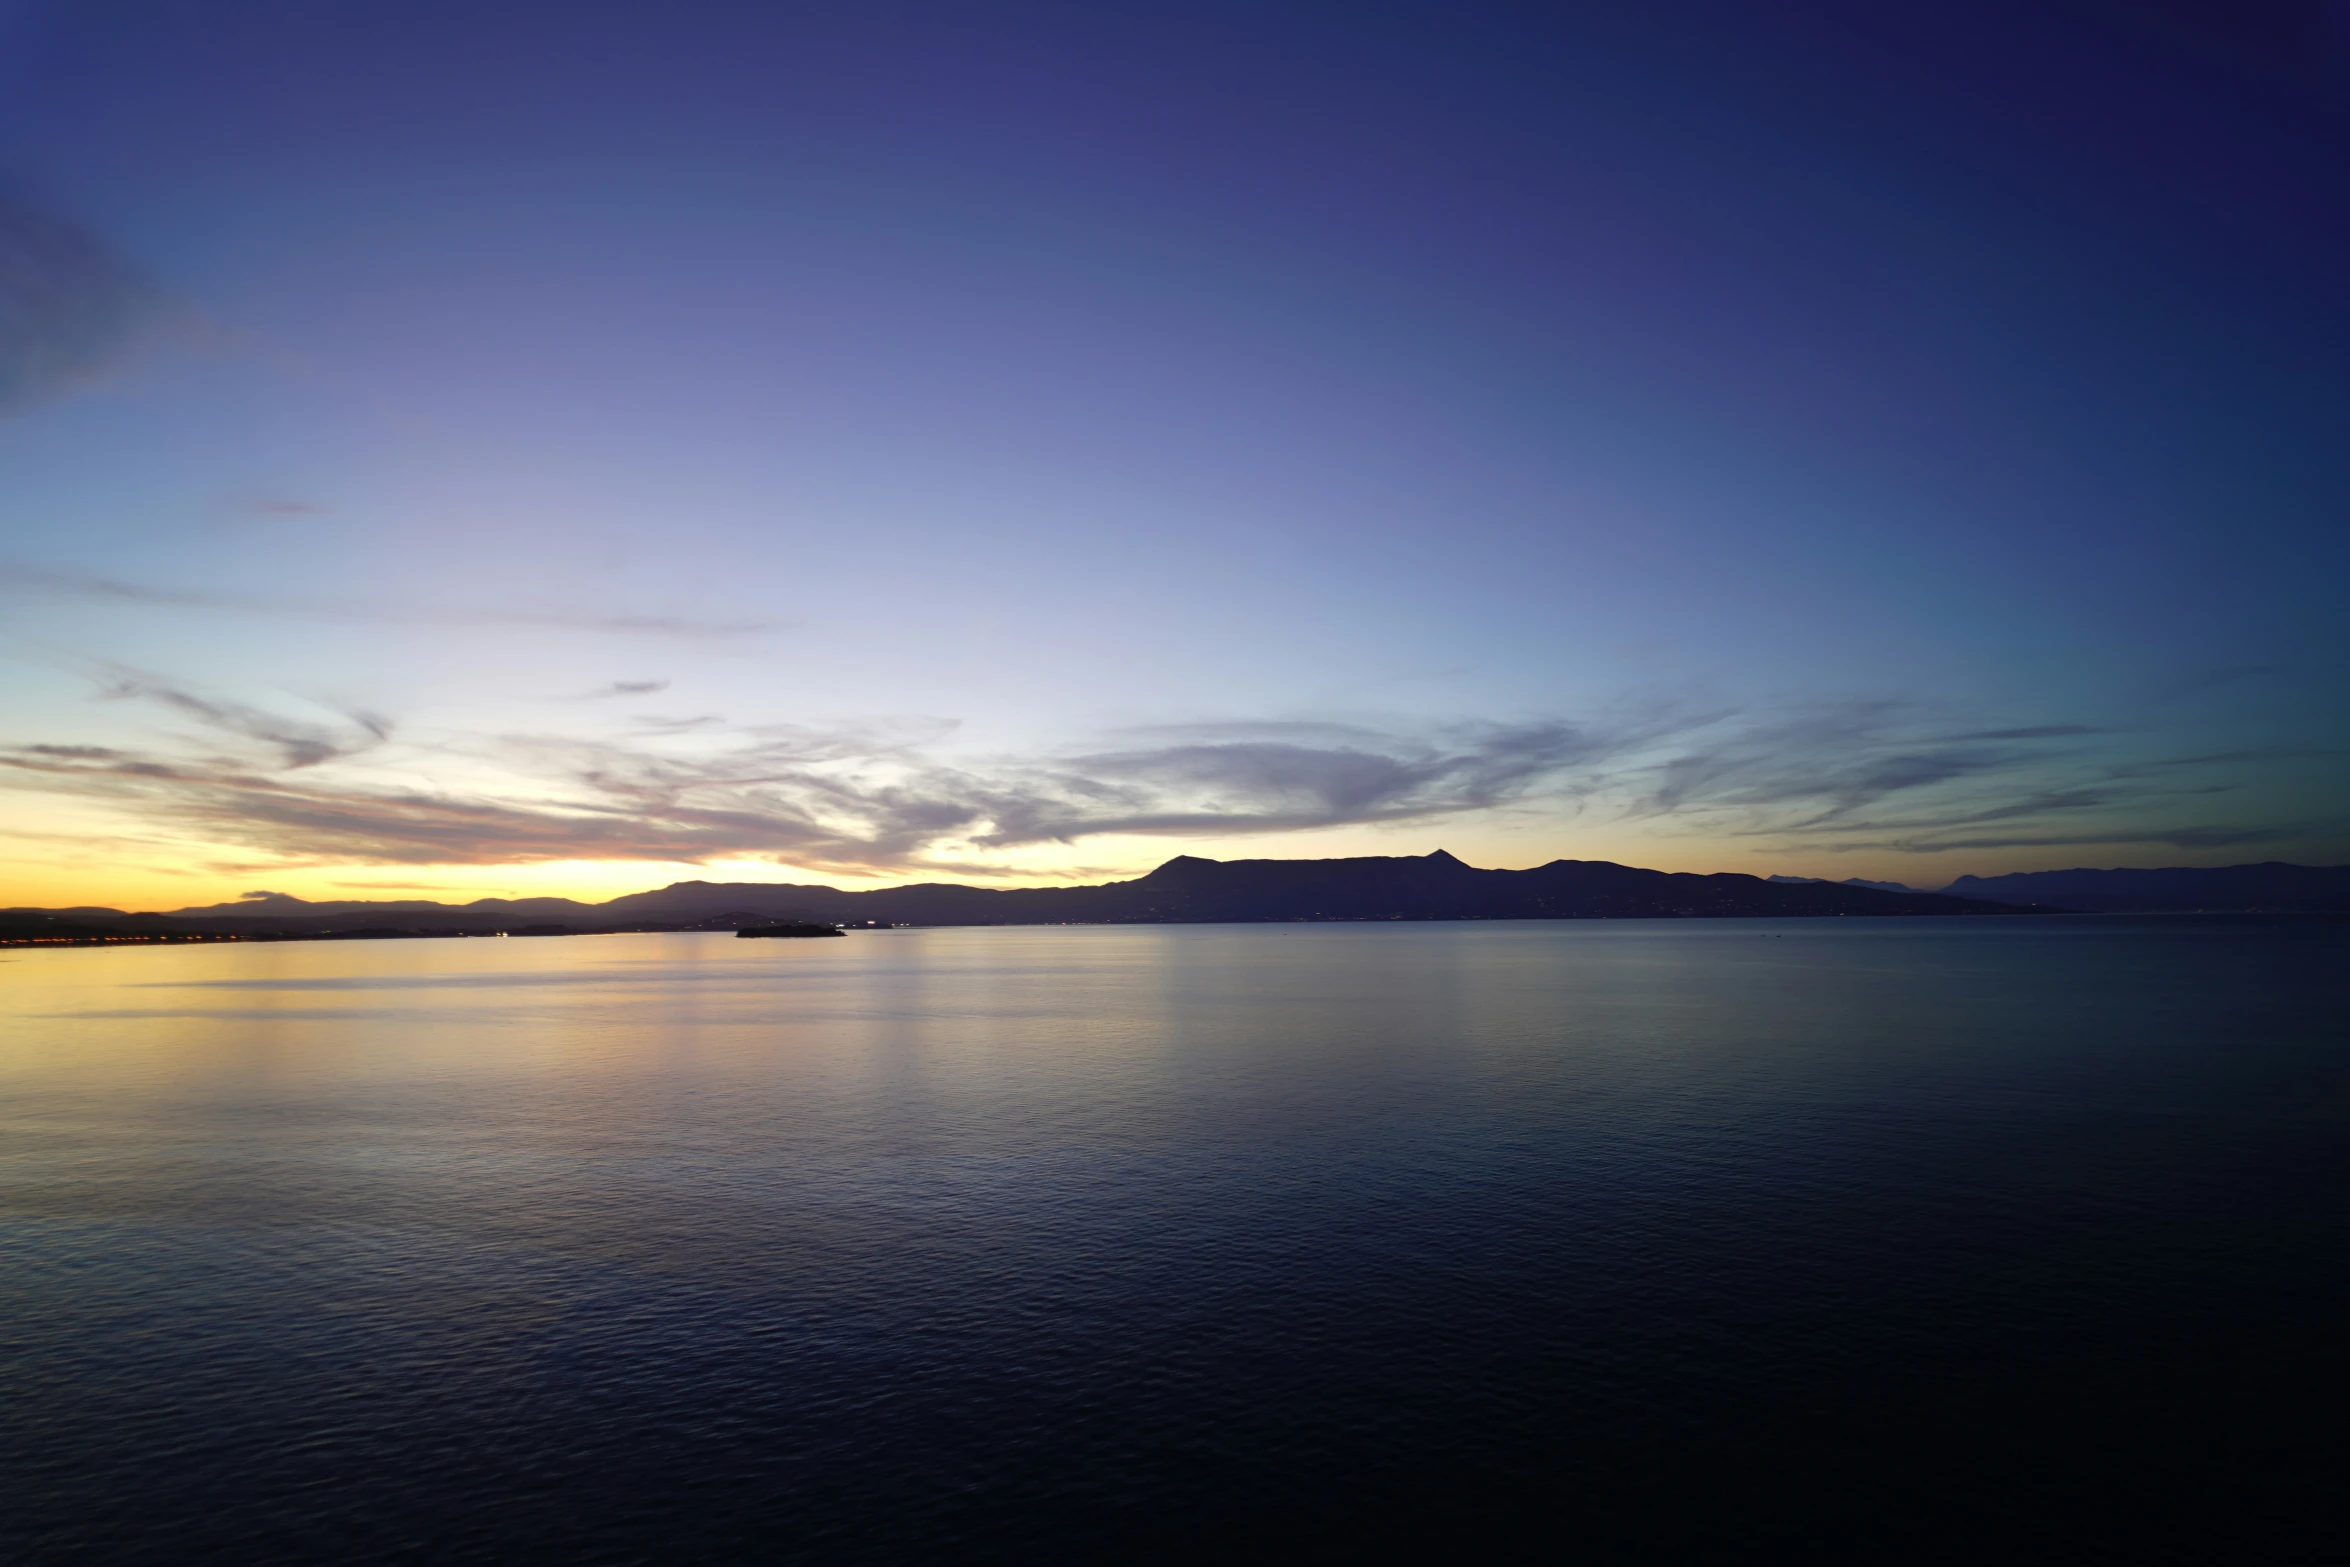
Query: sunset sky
483	449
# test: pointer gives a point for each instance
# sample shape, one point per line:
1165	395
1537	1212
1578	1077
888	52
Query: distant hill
277	905
1435	886
2183	889
1188	889
1855	881
1184	890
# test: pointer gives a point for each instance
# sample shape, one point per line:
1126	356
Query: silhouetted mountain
1185	889
1853	881
278	905
1441	887
2273	885
85	912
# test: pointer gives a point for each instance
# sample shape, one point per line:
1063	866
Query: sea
1887	1240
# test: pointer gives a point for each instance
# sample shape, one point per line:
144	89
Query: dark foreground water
1872	1240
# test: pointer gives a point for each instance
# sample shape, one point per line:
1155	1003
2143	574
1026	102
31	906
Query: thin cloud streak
2176	837
1274	778
34	581
1820	780
298	744
69	307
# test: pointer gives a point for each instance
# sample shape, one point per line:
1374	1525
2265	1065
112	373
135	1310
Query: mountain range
1188	889
2183	889
2273	885
1185	889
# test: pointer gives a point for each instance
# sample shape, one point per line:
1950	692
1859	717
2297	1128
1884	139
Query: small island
789	930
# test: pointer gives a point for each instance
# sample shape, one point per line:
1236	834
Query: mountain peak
1181	866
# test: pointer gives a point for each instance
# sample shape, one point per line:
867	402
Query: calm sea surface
1646	1240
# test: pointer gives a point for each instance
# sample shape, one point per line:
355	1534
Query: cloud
856	798
2172	836
1813	766
69	307
2261	753
2203	682
616	688
2033	732
1896	775
297	743
36	581
653	723
880	798
1265	778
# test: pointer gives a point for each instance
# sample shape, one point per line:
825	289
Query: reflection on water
977	1243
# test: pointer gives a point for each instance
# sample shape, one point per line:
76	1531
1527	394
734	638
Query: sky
461	450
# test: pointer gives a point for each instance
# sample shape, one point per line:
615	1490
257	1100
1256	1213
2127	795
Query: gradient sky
504	448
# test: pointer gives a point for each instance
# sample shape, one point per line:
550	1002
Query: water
1874	1240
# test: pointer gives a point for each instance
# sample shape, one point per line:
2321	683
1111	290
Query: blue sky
528	448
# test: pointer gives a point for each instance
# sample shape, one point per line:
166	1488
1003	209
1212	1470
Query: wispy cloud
2191	684
281	506
2032	732
882	798
68	306
1904	776
1253	778
2168	835
612	689
298	744
26	581
1827	761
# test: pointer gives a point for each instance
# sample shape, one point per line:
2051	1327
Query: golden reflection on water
564	1044
954	1005
481	1067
